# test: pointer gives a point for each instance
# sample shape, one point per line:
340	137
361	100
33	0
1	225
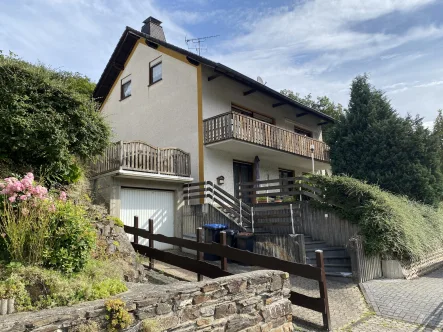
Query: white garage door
149	204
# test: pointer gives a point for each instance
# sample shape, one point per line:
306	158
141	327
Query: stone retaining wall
115	243
394	269
255	301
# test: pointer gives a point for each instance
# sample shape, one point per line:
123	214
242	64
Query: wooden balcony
142	157
236	126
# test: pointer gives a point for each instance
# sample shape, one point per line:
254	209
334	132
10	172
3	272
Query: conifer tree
371	142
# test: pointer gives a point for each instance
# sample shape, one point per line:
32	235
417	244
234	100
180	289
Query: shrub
39	228
26	229
118	317
49	119
392	225
117	221
72	238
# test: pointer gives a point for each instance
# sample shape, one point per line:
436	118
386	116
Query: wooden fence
291	189
142	157
234	125
203	268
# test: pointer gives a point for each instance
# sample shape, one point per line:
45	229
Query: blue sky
308	46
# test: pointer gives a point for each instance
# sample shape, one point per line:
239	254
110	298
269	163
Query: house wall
164	114
219	93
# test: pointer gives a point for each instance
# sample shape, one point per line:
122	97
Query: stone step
339	274
331	260
328	252
338	268
315	245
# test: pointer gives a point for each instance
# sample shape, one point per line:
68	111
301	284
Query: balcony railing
142	157
244	128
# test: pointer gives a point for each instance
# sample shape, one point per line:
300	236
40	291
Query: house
223	127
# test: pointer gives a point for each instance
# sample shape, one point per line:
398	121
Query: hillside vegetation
393	226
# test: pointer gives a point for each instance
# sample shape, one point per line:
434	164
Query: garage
149	204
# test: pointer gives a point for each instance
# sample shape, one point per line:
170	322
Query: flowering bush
37	227
22	190
25	189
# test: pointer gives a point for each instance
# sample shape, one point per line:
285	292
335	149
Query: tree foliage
371	142
48	119
322	104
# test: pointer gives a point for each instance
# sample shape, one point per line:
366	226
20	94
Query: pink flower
12	198
23	197
26	182
29	176
63	196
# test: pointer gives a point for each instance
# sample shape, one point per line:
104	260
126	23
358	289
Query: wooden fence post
223	260
199	253
136	226
323	290
151	242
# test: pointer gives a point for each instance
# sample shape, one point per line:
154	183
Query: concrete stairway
337	260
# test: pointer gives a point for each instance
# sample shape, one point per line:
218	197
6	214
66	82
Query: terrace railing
237	126
142	157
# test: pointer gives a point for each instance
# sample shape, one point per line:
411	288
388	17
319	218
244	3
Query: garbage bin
245	241
231	239
212	234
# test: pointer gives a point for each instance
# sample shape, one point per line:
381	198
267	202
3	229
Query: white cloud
311	46
425	85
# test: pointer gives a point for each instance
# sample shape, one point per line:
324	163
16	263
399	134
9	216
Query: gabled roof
130	37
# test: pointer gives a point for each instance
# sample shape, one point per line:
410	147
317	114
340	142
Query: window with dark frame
125	90
252	114
155	73
302	131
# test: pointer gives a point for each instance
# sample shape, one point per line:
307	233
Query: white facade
163	114
166	114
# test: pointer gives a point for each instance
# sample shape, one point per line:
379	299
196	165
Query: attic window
125	88
155	73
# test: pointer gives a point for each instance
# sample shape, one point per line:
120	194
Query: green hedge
392	225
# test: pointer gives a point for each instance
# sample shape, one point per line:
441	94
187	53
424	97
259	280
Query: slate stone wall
254	302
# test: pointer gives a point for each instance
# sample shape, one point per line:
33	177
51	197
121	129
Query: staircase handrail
209	190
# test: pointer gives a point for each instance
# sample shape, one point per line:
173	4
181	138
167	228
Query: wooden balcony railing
142	157
233	125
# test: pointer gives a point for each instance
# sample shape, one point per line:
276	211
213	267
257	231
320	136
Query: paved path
417	301
349	311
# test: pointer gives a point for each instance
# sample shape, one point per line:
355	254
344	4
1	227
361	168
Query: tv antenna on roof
260	80
196	43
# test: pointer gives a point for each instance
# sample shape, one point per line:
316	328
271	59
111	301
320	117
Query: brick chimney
152	27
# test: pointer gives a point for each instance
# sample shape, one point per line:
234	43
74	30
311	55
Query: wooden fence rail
298	188
203	268
140	156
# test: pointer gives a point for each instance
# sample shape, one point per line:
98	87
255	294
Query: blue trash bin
212	234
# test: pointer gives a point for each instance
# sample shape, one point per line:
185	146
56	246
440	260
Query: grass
36	288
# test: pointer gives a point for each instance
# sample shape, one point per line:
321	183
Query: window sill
151	84
125	98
